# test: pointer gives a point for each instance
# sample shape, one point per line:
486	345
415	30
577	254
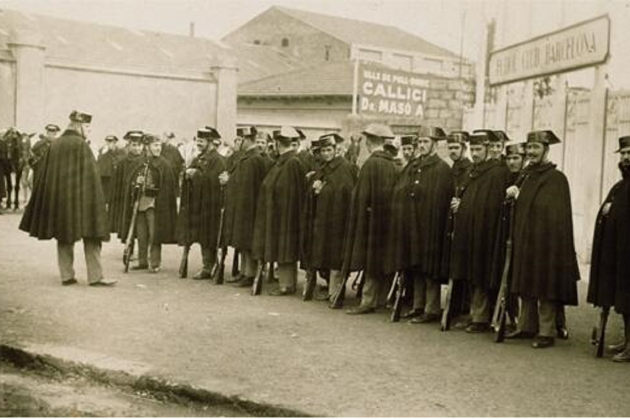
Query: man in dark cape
171	153
306	155
279	211
242	190
67	202
326	212
40	148
475	229
202	199
107	162
118	215
544	264
420	206
609	283
151	181
366	239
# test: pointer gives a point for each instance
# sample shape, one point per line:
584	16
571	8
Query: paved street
288	353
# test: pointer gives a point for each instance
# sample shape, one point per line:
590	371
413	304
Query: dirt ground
288	353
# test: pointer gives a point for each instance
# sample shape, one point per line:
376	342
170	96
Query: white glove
512	192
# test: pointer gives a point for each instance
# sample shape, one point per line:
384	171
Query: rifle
357	285
340	293
500	309
129	240
183	264
399	284
598	336
218	269
257	285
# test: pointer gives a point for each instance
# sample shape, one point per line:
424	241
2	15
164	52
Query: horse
14	160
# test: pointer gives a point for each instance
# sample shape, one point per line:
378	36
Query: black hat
111	138
408	140
331	139
434	133
52	127
208	133
301	134
150	138
134	135
391	146
515	148
491	135
623	143
544	136
502	135
247	132
80	117
477	138
458	137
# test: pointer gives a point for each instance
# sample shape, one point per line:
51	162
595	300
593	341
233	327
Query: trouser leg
287	276
155	248
335	281
142	233
528	321
372	291
65	260
92	250
547	311
208	257
433	289
419	292
248	264
480	305
561	317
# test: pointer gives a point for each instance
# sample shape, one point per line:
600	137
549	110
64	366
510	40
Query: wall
306	42
7	94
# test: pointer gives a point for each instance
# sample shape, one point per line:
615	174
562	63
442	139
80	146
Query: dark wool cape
326	215
420	206
201	202
165	202
609	283
67	202
106	165
278	216
370	208
117	195
476	223
544	263
241	198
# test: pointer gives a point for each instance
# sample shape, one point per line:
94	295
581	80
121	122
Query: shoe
234	280
281	292
413	313
360	310
69	282
562	333
542	342
154	270
244	282
321	297
520	335
477	327
616	348
462	325
624	356
202	275
140	267
104	283
425	319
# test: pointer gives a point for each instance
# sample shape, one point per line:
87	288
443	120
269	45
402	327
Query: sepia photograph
314	208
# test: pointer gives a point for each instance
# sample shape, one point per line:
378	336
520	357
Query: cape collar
285	157
382	154
481	168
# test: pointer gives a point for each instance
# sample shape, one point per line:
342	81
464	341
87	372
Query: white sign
580	45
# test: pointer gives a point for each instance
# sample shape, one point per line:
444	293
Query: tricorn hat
150	138
331	139
491	135
247	131
623	143
458	137
80	117
502	135
408	140
208	133
52	127
379	130
301	134
514	148
544	136
286	132
133	135
477	138
434	133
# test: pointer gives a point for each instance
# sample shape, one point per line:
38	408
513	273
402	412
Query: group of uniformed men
427	221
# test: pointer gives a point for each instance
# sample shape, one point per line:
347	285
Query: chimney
191	29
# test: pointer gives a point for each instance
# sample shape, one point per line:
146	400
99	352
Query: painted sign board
581	45
389	92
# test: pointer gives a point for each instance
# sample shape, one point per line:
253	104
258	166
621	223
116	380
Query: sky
453	24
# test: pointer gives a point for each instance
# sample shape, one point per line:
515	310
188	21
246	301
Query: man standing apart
545	268
609	283
370	208
68	204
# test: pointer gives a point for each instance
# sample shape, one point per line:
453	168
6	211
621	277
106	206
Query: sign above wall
581	45
392	93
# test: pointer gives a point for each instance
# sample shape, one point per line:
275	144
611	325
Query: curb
158	388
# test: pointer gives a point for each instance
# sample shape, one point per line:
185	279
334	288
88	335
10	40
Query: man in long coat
107	161
173	156
326	214
68	204
419	213
278	216
475	229
202	199
151	182
370	209
544	265
609	283
242	189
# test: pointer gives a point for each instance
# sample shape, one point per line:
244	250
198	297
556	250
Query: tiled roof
90	44
367	33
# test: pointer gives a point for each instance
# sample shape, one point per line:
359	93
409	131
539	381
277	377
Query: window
285	42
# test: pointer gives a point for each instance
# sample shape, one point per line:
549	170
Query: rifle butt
257	285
